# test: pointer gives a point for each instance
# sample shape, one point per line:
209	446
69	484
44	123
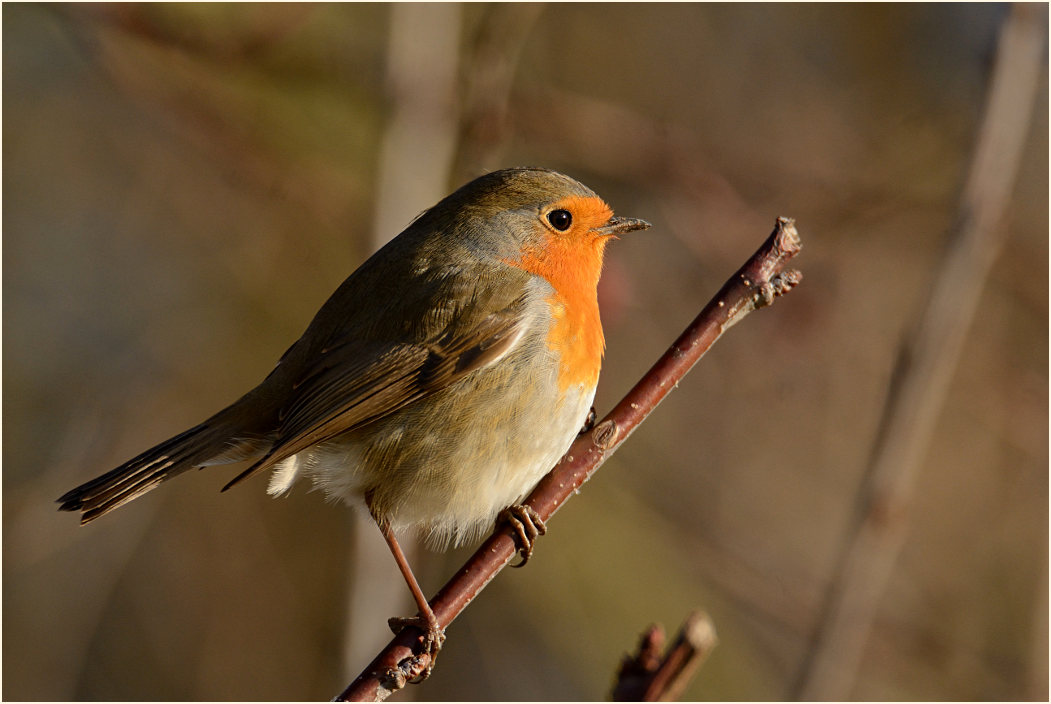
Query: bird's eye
560	219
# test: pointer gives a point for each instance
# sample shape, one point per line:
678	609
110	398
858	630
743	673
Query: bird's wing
353	383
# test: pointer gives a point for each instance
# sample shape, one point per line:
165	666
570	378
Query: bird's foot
589	422
417	668
526	525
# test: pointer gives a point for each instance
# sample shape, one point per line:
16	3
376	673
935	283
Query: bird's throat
572	267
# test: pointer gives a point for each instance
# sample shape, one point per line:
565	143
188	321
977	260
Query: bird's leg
526	525
426	621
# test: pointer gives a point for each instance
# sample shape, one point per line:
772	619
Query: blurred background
184	185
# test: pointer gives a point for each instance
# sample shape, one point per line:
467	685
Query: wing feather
345	393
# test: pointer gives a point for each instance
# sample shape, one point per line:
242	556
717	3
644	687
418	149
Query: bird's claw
417	667
526	525
589	422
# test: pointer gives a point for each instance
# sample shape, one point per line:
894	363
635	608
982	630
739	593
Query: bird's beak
617	226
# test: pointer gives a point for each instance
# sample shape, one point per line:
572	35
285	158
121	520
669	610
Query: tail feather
197	447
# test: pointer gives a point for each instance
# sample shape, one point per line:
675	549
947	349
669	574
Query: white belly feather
451	478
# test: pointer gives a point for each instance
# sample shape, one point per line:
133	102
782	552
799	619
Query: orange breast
572	263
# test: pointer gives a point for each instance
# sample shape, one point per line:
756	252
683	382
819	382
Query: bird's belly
450	463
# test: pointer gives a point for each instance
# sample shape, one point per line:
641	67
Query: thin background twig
924	369
648	676
417	152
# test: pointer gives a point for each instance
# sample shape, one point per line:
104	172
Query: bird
436	386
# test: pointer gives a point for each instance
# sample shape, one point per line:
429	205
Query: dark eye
560	219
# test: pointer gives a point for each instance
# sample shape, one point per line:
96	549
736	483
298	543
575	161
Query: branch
418	147
647	677
754	285
924	368
420	136
490	66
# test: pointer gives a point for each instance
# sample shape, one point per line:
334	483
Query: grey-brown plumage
433	308
437	384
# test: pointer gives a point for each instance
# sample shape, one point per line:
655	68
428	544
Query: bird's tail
209	443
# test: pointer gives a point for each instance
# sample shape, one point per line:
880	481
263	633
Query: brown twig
420	136
926	361
418	147
753	286
649	678
490	65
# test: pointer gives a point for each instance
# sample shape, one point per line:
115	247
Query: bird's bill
618	226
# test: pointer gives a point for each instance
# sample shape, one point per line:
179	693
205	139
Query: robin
437	385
